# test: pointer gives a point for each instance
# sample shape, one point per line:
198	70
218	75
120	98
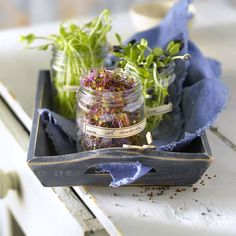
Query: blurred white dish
147	15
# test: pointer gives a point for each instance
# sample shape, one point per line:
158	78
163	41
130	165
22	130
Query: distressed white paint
182	215
38	211
14	104
219	42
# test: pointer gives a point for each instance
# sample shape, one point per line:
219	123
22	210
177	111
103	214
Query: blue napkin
60	130
197	94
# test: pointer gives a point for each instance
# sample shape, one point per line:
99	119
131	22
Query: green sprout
154	67
83	48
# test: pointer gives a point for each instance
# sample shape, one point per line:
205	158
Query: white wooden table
207	208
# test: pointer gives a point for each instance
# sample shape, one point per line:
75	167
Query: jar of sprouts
66	71
110	110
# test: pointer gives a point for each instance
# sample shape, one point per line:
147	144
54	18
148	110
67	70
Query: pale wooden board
217	195
220	42
38	210
214	212
64	197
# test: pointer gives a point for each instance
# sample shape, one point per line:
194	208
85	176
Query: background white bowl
147	15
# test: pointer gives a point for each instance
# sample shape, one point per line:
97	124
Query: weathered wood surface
74	217
210	210
222	47
35	208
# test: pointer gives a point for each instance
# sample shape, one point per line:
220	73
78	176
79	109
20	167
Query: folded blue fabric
60	130
197	94
124	173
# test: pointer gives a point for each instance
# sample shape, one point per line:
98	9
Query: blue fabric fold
60	130
124	173
197	94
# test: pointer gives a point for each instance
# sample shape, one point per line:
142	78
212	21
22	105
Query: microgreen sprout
83	48
154	67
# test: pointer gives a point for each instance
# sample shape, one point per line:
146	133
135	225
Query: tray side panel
166	172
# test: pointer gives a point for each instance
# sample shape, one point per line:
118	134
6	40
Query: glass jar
65	73
110	119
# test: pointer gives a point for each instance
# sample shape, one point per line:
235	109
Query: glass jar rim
96	93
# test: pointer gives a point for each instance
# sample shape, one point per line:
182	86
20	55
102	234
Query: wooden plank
5	220
82	220
35	209
207	209
11	102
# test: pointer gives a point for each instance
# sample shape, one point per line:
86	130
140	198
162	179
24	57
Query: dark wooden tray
169	168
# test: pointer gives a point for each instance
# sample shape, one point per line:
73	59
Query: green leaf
144	42
170	44
158	52
122	64
118	38
43	47
73	27
174	49
62	31
27	38
149	60
142	48
117	54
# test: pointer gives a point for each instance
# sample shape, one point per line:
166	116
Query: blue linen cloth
197	94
